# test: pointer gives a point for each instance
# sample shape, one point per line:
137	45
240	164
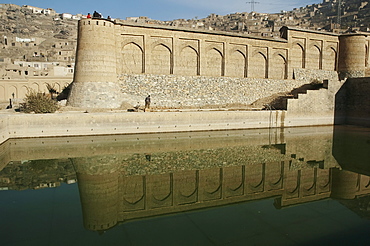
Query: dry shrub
39	103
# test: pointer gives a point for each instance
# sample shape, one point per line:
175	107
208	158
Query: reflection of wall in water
132	176
98	193
111	196
36	174
349	185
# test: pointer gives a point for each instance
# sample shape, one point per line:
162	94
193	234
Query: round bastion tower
95	78
352	52
345	184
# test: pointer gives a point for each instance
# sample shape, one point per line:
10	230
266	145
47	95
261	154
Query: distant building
36	10
66	16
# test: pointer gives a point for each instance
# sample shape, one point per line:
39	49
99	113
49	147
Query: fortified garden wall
120	63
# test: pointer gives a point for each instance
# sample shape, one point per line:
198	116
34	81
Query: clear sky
164	9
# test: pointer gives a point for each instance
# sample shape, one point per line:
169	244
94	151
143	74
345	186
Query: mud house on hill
121	63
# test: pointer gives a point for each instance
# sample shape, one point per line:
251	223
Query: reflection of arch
367	183
188	61
292	184
132	58
259	65
188	192
160	190
297	56
214	63
275	176
133	190
308	182
212	184
234	181
325	180
237	64
161	59
256	178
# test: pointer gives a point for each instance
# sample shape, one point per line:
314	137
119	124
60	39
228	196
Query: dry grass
39	103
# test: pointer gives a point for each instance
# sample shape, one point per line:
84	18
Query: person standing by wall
147	103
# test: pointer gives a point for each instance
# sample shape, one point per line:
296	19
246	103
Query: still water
299	186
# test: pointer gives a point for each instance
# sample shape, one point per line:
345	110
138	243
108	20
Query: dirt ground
260	104
276	101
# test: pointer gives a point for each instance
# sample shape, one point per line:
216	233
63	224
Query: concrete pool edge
20	125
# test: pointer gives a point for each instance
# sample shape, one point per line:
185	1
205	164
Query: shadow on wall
340	106
65	93
280	101
352	104
351	137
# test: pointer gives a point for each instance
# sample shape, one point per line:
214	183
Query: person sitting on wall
147	103
88	16
96	15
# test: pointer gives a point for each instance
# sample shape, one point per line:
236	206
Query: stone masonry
123	63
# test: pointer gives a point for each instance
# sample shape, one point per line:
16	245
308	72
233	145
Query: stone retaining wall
312	75
176	91
173	91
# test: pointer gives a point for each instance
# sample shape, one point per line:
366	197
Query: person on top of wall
88	15
96	15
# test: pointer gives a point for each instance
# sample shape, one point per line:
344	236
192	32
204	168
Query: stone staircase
318	101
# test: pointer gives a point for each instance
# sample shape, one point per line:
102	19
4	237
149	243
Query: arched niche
237	67
132	59
297	56
160	59
213	63
258	65
330	59
278	66
188	62
314	57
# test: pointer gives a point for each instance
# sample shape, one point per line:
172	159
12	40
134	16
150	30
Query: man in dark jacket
147	103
